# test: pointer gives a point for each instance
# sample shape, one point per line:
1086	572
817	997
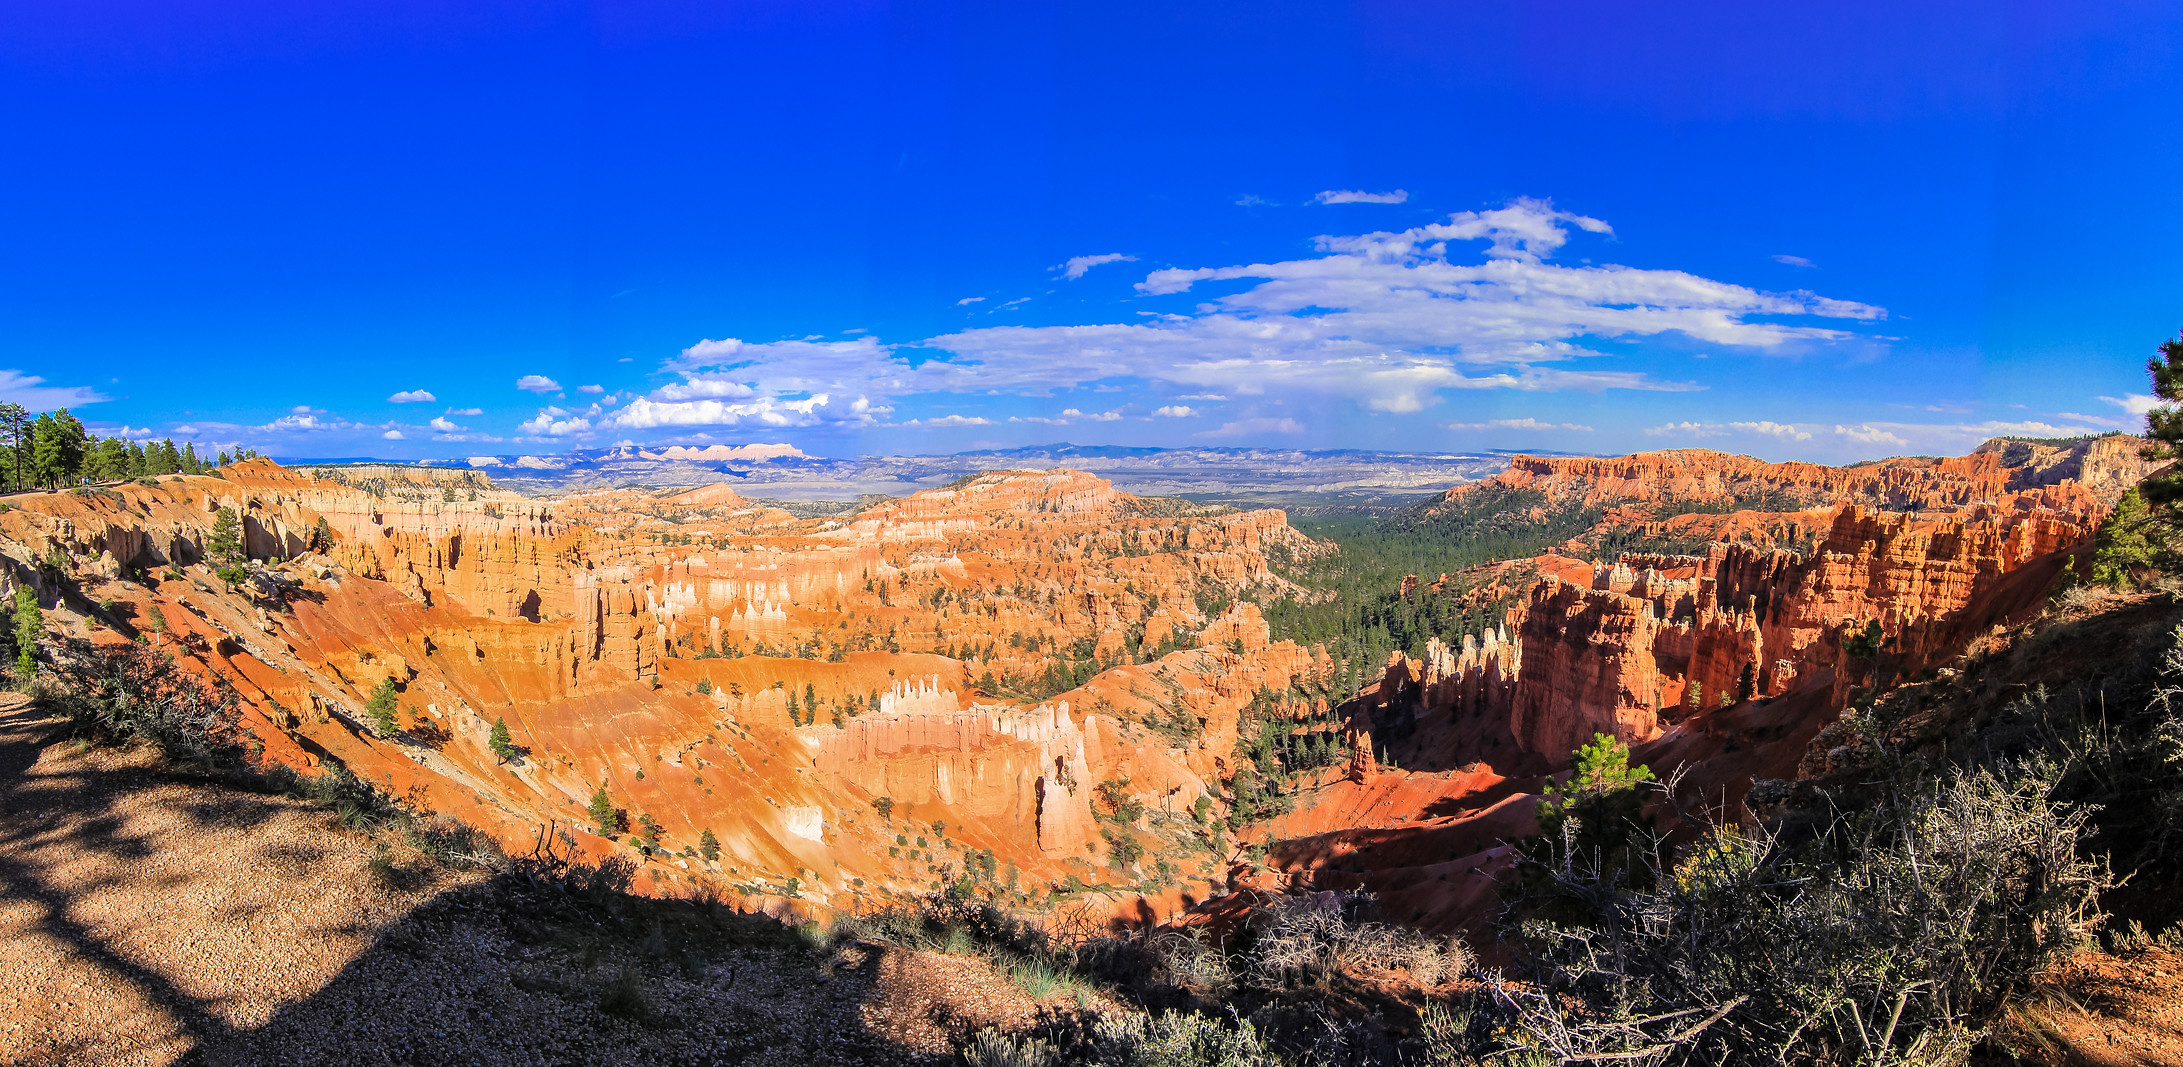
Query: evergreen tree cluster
52	449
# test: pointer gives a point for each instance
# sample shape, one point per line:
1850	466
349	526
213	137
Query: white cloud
1772	429
2137	404
466	411
1779	430
1201	396
1390	320
1246	427
1099	416
1175	411
702	386
1868	434
1076	266
1358	196
593	389
967	301
554	422
537	383
413	396
1526	423
33	393
299	423
1794	261
1252	200
951	420
443	425
1687	429
392	435
778	384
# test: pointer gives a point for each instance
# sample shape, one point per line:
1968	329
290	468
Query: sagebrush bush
117	693
1893	937
1326	934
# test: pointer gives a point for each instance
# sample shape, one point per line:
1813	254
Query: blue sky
1827	231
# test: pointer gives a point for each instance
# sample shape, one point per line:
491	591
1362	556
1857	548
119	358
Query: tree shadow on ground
508	968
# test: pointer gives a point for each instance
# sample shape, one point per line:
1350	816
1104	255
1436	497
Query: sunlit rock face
1934	550
820	694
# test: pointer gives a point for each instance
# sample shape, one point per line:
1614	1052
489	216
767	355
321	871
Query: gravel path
148	918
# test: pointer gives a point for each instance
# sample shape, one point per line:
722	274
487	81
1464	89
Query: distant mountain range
1273	476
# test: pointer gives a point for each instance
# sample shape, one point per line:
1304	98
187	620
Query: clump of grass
625	999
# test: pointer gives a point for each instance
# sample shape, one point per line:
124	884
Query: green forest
52	450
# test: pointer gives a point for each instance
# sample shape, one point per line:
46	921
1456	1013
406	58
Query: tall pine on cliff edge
2164	425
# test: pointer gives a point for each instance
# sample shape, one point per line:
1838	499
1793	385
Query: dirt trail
140	914
148	918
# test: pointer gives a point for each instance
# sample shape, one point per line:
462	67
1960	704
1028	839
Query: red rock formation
714	665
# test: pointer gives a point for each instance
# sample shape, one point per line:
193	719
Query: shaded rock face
1653	639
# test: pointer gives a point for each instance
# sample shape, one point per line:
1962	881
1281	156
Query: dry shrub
118	693
1305	938
1893	937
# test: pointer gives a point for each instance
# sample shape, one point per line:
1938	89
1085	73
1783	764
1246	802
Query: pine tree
603	814
708	846
2164	425
381	709
136	461
2124	546
170	461
29	621
113	460
57	448
189	458
225	546
503	746
15	431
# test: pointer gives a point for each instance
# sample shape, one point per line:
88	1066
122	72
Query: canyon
1031	684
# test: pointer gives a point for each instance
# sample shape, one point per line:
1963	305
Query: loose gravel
147	917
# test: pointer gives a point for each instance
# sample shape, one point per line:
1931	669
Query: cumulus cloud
951	420
593	389
1096	416
775	384
444	425
413	396
554	422
466	411
392	435
537	383
1391	320
1358	196
1687	429
1175	411
2136	404
1763	428
1076	266
1794	261
33	393
1250	427
301	422
1868	434
1526	423
1772	429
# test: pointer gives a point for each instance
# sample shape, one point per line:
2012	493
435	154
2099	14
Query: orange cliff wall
1620	654
641	641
